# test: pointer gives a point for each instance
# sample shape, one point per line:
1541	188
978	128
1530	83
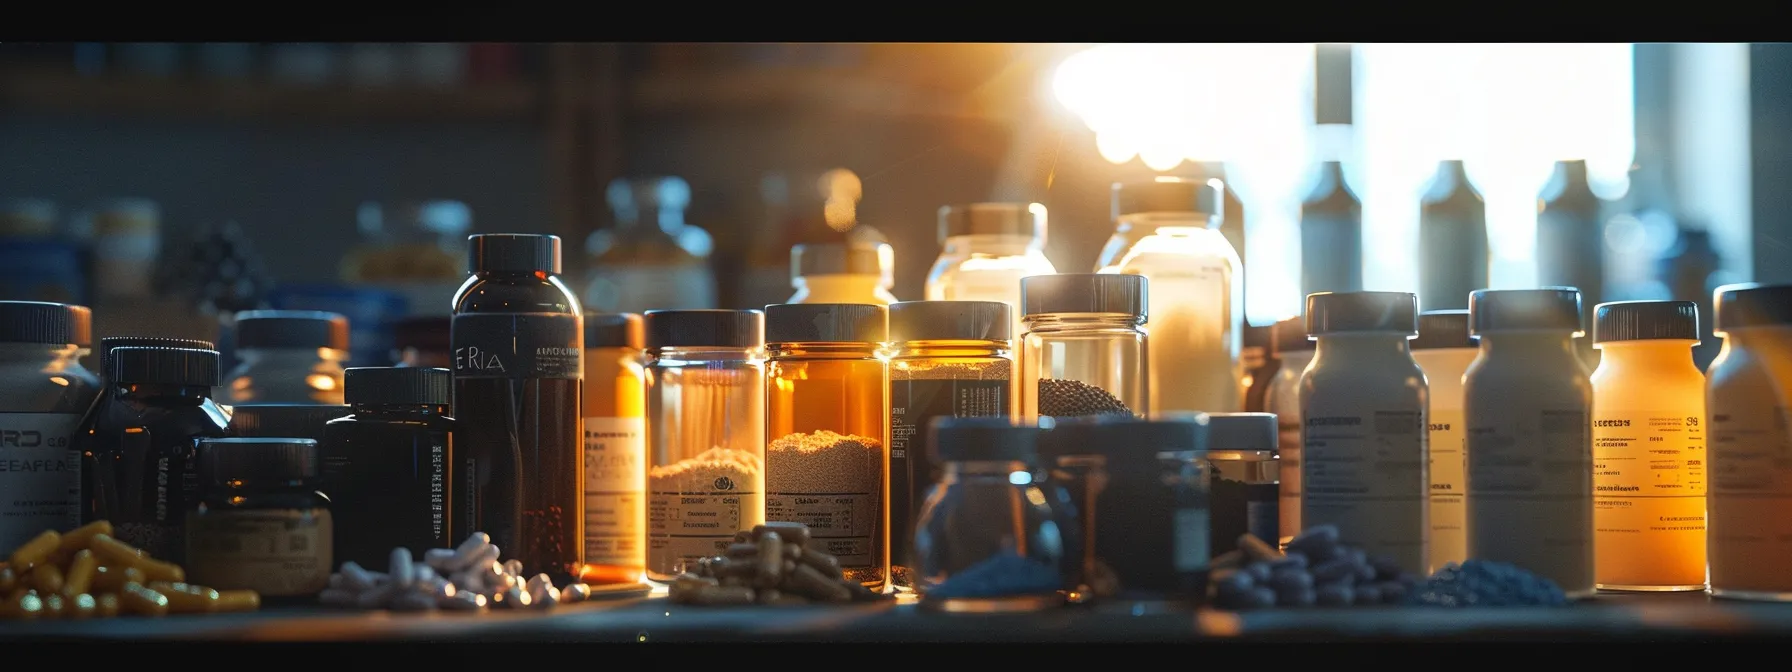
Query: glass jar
652	259
845	272
44	392
1241	448
615	416
1168	230
1084	351
827	427
288	357
988	248
705	434
1749	394
261	523
988	539
949	359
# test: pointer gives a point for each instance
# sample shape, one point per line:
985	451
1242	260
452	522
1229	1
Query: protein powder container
44	392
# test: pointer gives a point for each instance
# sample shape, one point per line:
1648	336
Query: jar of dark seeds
1084	350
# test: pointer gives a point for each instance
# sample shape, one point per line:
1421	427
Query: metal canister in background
1246	483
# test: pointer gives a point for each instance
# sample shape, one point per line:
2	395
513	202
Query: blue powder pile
1481	583
1001	575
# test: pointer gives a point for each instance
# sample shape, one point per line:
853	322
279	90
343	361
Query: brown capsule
111	578
791	533
792	551
79	577
737	581
741	550
811	583
789	566
47	579
705	567
828	565
156	570
142	600
716	596
185	598
743	536
106	604
114	552
1257	549
237	600
34	552
771	559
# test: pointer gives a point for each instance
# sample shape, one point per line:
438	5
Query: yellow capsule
8	580
156	570
114	552
142	600
111	578
79	577
79	538
106	605
47	579
55	606
24	558
80	607
237	600
186	598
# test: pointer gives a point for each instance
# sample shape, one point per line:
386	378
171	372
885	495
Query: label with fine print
1365	473
276	552
518	345
615	485
1449	490
914	403
40	476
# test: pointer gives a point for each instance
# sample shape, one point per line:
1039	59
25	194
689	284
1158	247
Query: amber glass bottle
615	413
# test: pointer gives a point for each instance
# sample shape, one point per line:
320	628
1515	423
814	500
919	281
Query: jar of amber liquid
615	424
827	431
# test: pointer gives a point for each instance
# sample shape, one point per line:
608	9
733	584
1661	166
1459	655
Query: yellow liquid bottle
1649	470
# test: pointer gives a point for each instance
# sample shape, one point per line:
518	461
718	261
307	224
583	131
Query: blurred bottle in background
986	248
651	259
1331	235
226	60
372	315
853	271
303	63
1571	242
38	263
416	249
1453	249
207	281
1690	269
765	277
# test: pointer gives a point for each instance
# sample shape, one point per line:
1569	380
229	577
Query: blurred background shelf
738	90
62	91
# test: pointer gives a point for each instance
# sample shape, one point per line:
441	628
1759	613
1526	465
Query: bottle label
615	484
914	402
1365	473
1449	540
1193	539
635	289
518	345
40	476
834	487
694	509
1751	489
276	552
1649	497
1531	468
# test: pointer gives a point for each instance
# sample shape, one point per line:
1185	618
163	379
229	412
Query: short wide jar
261	524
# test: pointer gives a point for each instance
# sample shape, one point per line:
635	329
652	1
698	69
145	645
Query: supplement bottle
389	463
1152	533
615	448
44	394
988	248
1526	403
1168	230
1649	475
1295	349
261	523
948	359
137	449
1084	352
1749	395
987	539
1453	249
285	421
288	357
1444	350
827	423
705	434
518	338
1241	450
845	272
1362	409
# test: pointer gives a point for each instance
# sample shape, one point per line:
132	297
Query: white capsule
436	586
513	567
338	581
442	559
401	568
358	579
473	542
548	598
575	592
337	597
413	602
493	572
375	598
422	572
462	602
478	557
538	583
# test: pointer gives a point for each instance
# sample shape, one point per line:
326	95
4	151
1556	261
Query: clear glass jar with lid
1084	352
288	357
988	248
1168	230
852	271
987	539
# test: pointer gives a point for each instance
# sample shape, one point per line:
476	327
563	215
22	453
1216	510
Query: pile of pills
1317	570
466	578
771	564
89	574
1482	583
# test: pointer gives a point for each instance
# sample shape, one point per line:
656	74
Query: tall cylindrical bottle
987	249
949	359
1444	350
827	424
1649	473
1295	349
705	434
1331	235
1362	408
1168	231
1453	252
1749	395
518	338
1085	350
1571	239
615	412
1527	401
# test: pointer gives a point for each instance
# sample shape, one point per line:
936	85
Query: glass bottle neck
1168	223
996	245
821	350
1061	322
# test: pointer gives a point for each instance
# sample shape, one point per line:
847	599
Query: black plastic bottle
388	464
138	451
518	340
1331	235
1453	251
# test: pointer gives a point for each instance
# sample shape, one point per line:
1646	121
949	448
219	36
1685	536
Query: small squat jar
1084	352
261	523
827	426
705	434
988	539
1748	393
288	357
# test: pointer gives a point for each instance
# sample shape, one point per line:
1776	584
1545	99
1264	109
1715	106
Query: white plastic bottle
843	272
1444	350
1295	349
1748	396
988	248
1527	402
1363	403
1168	230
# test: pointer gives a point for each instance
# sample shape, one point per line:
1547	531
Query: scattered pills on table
87	573
769	564
1318	569
468	577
